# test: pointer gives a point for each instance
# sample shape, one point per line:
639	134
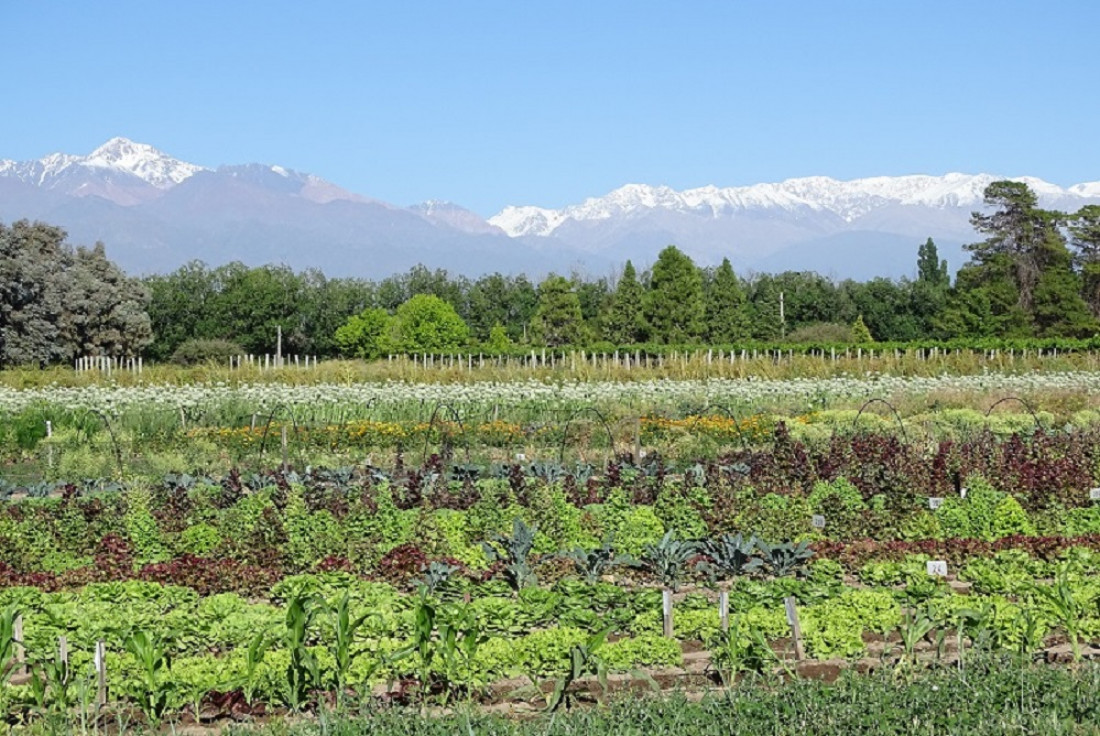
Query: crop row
638	395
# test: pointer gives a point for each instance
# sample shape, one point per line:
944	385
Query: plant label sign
521	456
935	502
1094	494
962	492
818	522
937	568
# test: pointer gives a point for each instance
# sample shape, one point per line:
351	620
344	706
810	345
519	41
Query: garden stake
724	610
20	651
796	628
666	610
101	674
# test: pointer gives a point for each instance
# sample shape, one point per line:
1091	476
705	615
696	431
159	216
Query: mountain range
155	212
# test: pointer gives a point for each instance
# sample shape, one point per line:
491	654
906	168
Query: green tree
764	309
624	321
726	307
931	270
1057	306
498	339
104	309
558	319
365	335
426	323
984	303
860	333
674	306
33	259
57	303
1084	228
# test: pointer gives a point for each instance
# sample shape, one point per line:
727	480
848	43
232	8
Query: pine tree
558	319
674	307
1084	228
727	310
764	321
624	322
1057	306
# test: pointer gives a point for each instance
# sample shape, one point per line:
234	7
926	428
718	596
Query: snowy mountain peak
98	172
141	160
847	200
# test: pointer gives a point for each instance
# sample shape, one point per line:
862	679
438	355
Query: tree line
1036	273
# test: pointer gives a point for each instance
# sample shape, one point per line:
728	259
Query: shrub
196	352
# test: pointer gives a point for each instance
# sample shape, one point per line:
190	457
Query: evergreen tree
1057	306
764	320
931	270
674	306
624	322
860	333
558	320
1084	228
727	310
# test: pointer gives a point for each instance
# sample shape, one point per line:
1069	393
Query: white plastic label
1094	494
962	492
521	456
935	502
937	568
818	522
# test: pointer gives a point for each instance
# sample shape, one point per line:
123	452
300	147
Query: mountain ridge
156	212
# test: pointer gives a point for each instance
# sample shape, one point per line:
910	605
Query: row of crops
204	552
442	582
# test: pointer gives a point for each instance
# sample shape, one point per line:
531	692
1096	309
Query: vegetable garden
233	552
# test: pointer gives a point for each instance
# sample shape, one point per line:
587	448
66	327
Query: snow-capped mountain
117	157
155	212
848	200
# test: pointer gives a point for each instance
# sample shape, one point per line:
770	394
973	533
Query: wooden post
100	662
666	611
19	650
724	609
796	628
63	655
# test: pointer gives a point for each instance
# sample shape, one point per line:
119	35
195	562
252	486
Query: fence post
666	612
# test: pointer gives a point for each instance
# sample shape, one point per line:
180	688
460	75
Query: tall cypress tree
727	312
674	305
624	323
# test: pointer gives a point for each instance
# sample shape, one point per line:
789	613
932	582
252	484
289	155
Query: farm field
241	550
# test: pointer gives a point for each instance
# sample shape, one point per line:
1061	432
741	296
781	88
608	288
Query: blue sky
495	103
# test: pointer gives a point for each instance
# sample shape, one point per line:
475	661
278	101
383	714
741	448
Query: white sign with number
937	568
935	502
818	522
1094	494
